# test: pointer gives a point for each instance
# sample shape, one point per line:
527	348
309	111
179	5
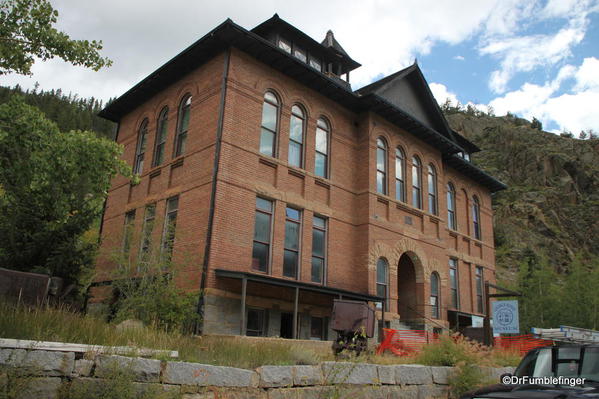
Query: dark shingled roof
330	41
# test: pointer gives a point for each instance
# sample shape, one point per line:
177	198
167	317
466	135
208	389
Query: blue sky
533	58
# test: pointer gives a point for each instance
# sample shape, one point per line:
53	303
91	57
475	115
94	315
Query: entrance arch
410	300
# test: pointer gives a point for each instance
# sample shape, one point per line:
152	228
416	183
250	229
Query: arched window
400	183
451	217
140	149
381	166
161	130
434	301
182	125
321	159
296	137
416	182
476	217
432	190
382	280
270	124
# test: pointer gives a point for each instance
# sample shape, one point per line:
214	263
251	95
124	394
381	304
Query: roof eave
469	169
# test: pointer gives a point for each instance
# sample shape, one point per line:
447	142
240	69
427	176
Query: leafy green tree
27	32
52	188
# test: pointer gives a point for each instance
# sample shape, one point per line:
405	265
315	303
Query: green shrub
466	376
449	351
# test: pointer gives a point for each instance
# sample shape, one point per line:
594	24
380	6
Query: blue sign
505	317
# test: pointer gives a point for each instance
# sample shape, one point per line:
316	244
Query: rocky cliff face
552	204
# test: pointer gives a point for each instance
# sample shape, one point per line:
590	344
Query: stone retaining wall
48	371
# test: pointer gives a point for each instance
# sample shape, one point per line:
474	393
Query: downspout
199	326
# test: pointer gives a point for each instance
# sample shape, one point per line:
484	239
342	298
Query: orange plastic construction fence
410	342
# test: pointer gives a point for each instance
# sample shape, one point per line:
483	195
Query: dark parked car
564	371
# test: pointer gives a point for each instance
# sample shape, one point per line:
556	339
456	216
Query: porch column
242	326
295	306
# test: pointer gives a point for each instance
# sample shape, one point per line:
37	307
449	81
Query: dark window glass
262	228
451	218
316	64
270	122
170	225
416	183
318	249
432	190
292	242
382	281
321	161
400	184
161	131
256	322
381	166
140	150
128	231
435	296
183	125
480	307
296	137
146	235
453	283
317	328
476	218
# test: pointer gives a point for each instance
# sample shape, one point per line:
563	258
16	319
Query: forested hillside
547	221
69	112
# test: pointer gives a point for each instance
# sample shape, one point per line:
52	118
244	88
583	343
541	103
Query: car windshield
561	361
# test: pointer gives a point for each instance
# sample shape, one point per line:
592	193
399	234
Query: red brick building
279	188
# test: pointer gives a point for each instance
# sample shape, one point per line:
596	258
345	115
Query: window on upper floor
146	232
434	299
128	231
432	190
160	142
381	166
285	45
480	307
453	283
400	181
321	158
170	225
140	148
270	124
300	54
416	182
293	228
182	125
316	63
319	249
451	208
262	235
297	125
476	218
382	281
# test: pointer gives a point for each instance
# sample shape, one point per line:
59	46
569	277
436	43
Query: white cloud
574	111
459	58
441	93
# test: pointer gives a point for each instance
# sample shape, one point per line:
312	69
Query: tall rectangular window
161	130
128	231
321	157
146	234
453	283
400	187
317	328
416	182
270	124
182	125
262	227
480	307
170	224
319	237
292	242
256	322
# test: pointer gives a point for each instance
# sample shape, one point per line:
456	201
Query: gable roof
414	75
229	34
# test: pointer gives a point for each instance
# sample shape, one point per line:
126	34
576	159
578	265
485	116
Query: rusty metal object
354	323
29	288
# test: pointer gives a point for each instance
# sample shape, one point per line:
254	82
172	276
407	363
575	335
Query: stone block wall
48	372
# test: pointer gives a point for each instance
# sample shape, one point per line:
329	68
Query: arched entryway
409	290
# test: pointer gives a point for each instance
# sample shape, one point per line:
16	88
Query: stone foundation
48	372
